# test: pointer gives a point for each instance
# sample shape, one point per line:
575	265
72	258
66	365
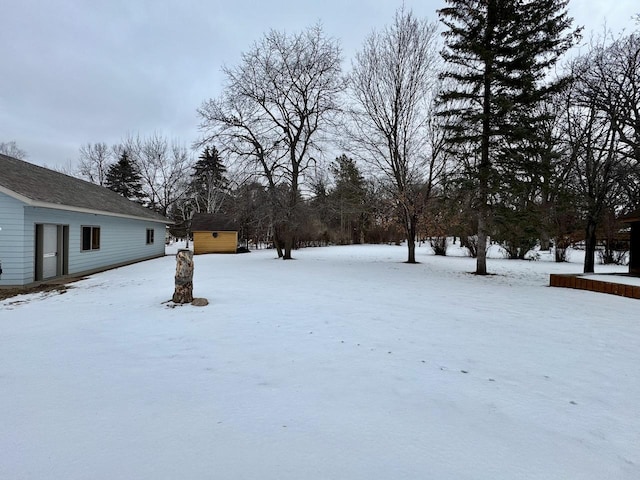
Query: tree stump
184	277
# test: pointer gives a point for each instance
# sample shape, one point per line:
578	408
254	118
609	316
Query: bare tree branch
276	103
392	85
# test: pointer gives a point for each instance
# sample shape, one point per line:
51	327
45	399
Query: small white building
52	225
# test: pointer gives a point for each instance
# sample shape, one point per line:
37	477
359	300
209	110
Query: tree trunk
483	207
484	169
545	241
410	227
277	241
590	246
481	259
288	247
411	245
288	243
184	277
285	238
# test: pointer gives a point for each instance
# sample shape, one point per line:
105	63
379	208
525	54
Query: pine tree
499	54
348	199
210	165
123	177
208	181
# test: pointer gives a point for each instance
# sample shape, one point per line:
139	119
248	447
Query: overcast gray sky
74	71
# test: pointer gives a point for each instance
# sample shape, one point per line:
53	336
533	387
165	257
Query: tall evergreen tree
208	181
123	177
349	198
210	165
499	54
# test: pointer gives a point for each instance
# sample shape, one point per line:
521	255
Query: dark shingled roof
631	217
47	188
212	222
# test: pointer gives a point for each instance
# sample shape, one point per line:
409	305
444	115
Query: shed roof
40	187
632	217
212	222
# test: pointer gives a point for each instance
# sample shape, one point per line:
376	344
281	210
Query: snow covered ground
343	364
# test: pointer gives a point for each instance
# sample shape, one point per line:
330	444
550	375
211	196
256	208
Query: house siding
122	240
205	242
11	245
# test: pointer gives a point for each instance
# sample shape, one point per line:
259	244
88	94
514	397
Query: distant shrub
561	254
470	242
517	249
612	257
439	245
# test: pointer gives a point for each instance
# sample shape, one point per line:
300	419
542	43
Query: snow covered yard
343	364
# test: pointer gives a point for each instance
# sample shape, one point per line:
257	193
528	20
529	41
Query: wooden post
184	277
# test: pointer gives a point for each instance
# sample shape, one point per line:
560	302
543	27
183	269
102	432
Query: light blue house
52	225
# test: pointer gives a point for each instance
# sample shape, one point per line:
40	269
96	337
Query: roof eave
214	230
70	208
631	217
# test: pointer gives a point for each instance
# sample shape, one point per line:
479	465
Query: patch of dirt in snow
47	287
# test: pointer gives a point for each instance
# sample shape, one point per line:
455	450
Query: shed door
49	251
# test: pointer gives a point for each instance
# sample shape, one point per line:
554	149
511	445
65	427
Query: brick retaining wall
585	283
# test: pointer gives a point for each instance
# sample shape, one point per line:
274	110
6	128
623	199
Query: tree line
478	127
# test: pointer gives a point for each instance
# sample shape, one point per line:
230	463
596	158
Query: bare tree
270	117
602	133
610	78
391	86
12	150
95	159
68	168
552	170
250	208
440	218
612	81
236	125
594	149
163	167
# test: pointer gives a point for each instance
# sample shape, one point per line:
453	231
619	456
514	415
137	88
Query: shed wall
122	240
205	242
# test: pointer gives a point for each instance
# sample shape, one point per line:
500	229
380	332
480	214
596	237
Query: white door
49	251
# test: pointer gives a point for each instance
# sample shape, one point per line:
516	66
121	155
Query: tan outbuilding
213	233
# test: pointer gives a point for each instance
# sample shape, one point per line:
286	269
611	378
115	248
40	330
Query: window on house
149	236
90	238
